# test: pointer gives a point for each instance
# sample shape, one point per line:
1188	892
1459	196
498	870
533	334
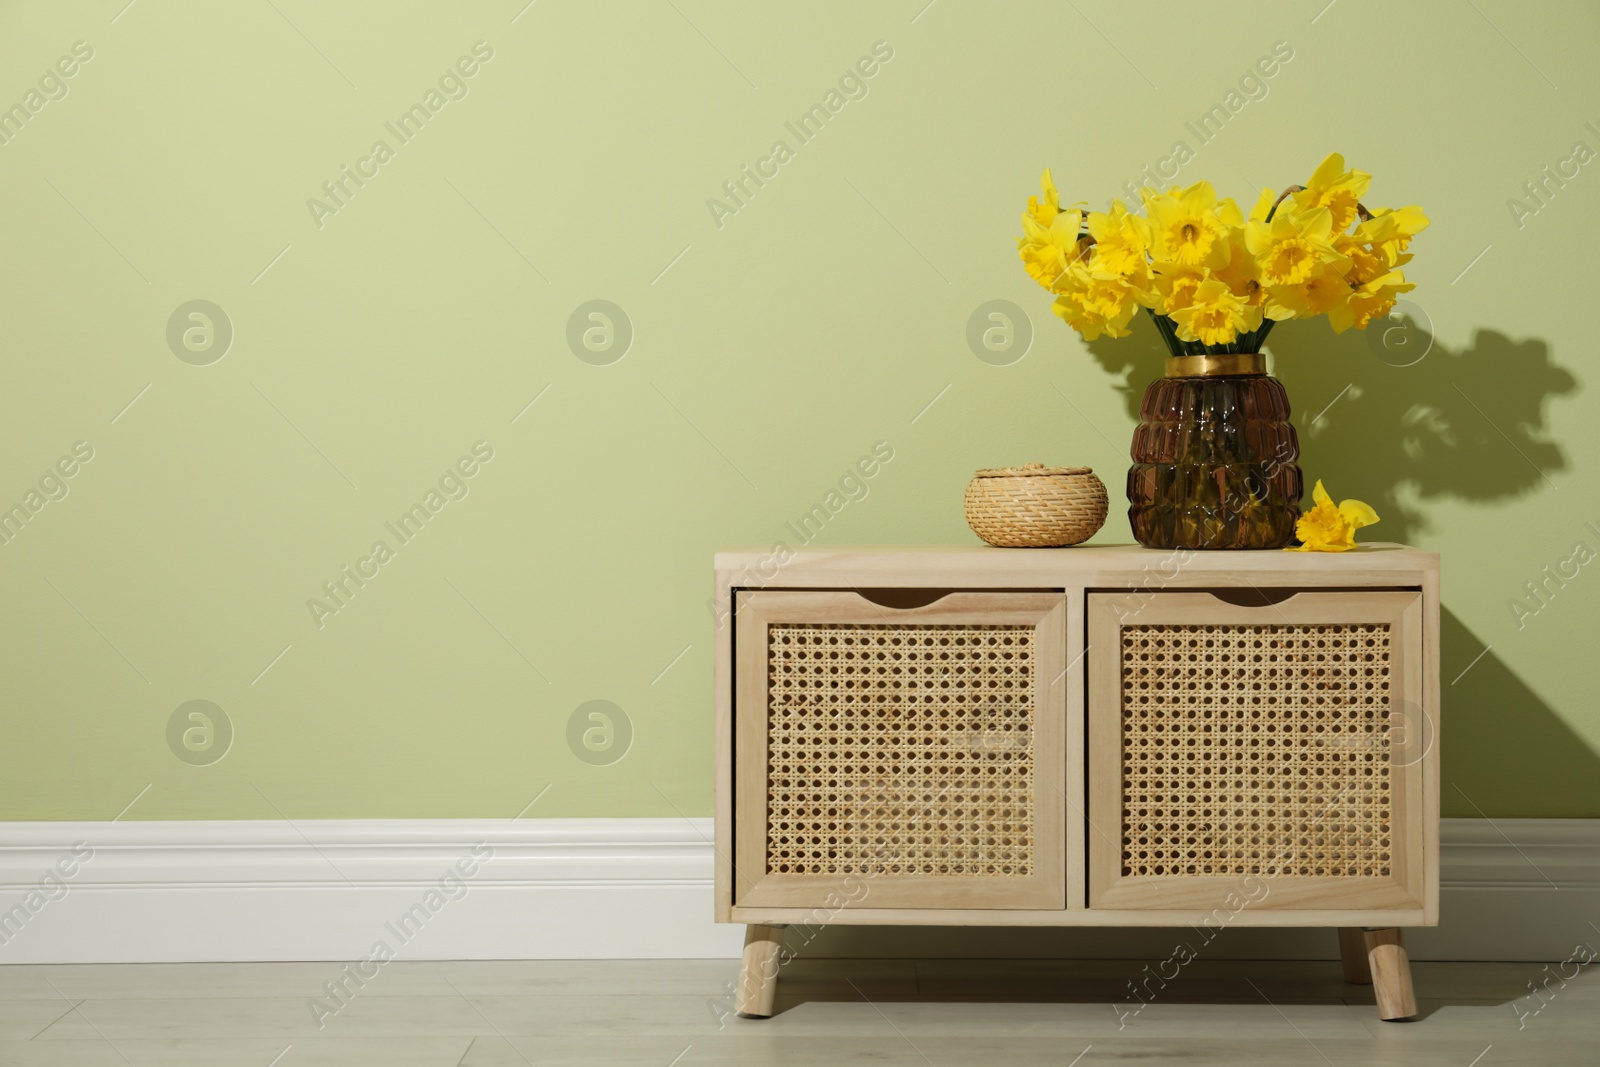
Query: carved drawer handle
1249	596
904	598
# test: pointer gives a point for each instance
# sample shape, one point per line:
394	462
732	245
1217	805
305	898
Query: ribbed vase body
1214	464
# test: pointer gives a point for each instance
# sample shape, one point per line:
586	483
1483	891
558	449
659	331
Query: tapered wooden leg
1391	974
758	973
1353	951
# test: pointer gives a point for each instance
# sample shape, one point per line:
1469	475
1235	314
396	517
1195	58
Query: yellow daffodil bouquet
1213	280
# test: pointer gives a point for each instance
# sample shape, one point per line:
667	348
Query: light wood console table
1092	736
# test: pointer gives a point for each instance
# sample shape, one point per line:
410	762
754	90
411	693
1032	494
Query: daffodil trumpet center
1361	209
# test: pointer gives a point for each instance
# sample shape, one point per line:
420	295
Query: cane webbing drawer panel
1255	750
1236	742
900	749
910	756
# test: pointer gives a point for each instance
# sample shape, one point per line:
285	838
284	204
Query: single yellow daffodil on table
1330	528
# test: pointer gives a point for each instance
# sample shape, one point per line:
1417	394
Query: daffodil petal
1328	171
1320	495
1263	205
1357	513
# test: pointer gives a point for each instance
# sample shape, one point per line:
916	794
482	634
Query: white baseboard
330	890
1524	889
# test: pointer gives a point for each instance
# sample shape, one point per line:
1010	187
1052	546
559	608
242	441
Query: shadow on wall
1392	417
1509	743
1448	424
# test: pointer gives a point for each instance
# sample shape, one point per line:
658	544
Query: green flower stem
1248	342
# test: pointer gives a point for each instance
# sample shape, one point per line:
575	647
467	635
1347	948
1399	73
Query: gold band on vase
1214	366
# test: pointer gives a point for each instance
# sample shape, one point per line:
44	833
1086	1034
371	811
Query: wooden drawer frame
1403	889
1043	612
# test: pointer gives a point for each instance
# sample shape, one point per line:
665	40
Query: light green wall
775	351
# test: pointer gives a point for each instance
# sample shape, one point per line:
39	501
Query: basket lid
1031	470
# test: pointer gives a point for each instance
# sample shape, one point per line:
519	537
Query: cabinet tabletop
1368	564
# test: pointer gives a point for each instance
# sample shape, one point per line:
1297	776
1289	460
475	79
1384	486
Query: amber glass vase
1214	457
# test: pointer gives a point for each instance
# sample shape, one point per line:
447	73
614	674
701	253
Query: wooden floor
677	1013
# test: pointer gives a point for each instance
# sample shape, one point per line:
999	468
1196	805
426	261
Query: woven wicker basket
1036	506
